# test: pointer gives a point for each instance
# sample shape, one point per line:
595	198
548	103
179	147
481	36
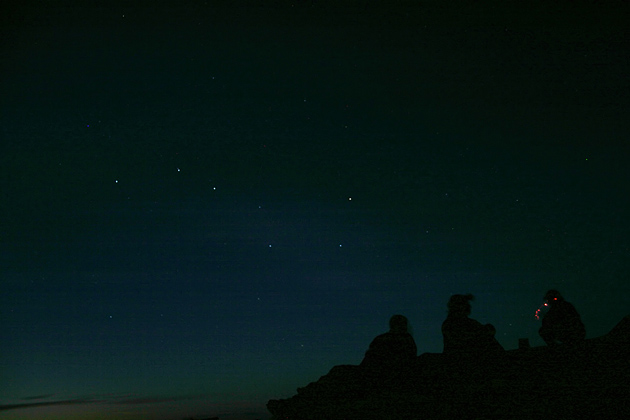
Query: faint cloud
75	401
38	397
5	407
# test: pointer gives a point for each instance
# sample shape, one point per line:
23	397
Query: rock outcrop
585	381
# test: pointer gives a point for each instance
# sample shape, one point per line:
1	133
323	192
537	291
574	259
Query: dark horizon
206	207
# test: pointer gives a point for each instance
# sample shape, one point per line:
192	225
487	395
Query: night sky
205	206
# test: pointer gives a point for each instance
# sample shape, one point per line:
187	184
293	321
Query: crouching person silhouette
562	323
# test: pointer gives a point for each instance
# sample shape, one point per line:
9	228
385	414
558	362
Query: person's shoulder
381	337
566	306
454	323
447	325
450	320
394	336
474	322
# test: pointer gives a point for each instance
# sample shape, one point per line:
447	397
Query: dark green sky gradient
484	149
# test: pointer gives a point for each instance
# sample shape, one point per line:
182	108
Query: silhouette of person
562	323
393	350
466	336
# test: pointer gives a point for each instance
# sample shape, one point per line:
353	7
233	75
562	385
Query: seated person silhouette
465	336
392	351
384	366
562	323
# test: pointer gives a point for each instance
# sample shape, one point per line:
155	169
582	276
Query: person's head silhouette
459	305
398	324
553	296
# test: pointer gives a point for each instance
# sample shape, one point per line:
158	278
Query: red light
539	310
